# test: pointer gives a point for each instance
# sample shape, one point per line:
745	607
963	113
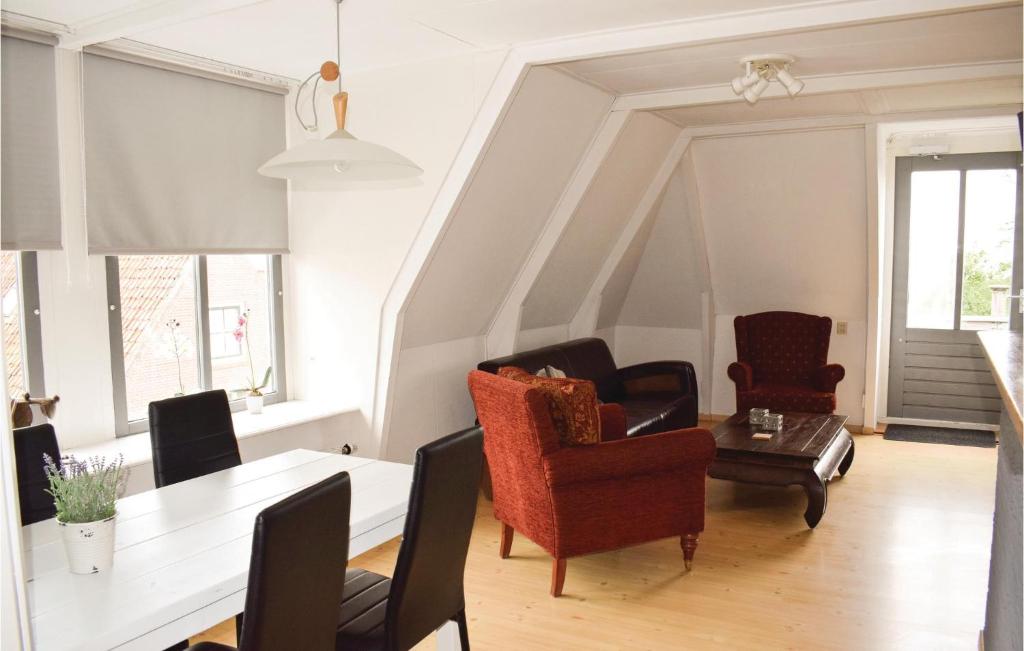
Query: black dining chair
294	583
426	590
30	444
191	436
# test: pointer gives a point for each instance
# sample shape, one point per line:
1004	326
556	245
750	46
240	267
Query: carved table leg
844	465
689	544
817	498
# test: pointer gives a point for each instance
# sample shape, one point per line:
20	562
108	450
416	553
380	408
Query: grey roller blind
29	171
171	159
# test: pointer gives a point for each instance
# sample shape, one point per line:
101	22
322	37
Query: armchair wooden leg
506	539
689	544
557	576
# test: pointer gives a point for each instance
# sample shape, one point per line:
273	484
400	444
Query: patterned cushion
778	397
573	404
783	347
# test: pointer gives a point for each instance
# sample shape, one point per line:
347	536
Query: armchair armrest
685	449
743	375
827	377
613	422
668	375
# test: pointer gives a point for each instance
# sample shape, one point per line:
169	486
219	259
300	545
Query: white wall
601	216
431	398
504	208
347	246
785	221
665	290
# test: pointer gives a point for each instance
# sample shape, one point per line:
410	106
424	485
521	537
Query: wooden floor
900	561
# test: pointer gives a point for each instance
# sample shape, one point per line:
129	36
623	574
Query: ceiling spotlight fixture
340	160
759	70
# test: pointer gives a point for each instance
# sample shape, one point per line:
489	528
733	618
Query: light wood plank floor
900	561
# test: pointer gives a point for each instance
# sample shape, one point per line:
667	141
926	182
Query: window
223	323
181	324
19	295
961	246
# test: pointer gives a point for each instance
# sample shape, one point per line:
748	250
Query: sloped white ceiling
615	290
972	36
505	206
601	216
785	221
665	290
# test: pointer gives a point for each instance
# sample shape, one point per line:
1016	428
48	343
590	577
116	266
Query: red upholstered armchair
592	498
783	363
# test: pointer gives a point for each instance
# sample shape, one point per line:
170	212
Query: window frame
31	328
125	427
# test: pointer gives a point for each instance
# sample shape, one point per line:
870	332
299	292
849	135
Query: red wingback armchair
783	363
592	498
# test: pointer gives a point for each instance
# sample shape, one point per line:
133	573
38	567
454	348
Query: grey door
956	264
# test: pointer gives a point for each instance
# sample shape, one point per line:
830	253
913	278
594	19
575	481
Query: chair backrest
585	359
192	436
30	444
427	587
518	431
297	569
783	347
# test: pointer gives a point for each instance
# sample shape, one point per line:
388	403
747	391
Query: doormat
977	438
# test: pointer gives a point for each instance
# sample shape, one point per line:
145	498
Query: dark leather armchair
782	363
657	396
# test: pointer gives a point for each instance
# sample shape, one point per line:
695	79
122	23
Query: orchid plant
177	343
242	333
85	491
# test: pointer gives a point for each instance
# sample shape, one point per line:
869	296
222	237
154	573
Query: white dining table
181	560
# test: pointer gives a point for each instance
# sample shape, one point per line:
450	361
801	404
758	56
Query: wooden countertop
1003	350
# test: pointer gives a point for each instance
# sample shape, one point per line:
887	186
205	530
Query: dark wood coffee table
808	451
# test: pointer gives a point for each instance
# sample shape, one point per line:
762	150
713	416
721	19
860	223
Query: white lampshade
792	84
341	159
754	92
739	84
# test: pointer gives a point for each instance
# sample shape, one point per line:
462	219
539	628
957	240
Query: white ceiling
976	36
292	37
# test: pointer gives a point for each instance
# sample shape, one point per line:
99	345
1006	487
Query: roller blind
29	171
171	159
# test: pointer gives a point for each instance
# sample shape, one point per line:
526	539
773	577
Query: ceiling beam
142	17
720	94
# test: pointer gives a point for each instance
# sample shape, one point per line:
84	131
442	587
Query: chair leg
506	539
460	619
689	544
557	576
238	629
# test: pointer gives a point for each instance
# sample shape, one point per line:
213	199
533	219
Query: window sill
137	450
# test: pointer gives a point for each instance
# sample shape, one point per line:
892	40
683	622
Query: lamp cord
298	94
337	35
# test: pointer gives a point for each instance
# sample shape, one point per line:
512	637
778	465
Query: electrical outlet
841	327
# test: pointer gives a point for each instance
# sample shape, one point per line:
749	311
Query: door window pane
241	285
934	225
158	328
10	292
989	211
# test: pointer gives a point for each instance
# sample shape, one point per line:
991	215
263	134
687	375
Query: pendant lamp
340	160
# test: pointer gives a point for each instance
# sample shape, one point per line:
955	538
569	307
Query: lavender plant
85	491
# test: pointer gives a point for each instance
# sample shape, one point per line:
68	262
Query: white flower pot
254	404
89	545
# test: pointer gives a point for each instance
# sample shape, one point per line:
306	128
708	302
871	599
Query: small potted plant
253	392
85	494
